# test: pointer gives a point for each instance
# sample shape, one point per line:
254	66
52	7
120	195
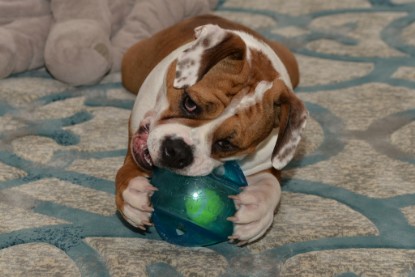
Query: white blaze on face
257	96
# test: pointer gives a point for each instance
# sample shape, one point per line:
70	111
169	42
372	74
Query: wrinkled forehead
202	131
242	103
211	45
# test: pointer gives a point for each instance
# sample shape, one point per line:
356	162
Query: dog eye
224	145
189	105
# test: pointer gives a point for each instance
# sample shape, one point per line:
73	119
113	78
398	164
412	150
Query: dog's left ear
292	120
212	44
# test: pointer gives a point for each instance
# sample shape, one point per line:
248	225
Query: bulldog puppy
210	90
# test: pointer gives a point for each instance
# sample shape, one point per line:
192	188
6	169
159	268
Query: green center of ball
203	206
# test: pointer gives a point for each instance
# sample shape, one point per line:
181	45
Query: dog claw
233	238
242	243
235	198
150	189
142	227
147	209
233	219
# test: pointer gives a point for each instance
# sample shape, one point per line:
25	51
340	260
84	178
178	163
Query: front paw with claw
255	210
137	209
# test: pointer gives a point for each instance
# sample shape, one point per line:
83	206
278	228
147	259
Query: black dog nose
175	153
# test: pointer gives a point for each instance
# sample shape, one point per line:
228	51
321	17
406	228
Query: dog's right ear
212	45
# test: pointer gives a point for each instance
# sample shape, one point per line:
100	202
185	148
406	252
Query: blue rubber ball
193	211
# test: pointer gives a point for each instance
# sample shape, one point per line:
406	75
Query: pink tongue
139	142
140	150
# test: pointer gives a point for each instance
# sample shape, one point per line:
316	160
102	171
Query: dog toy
193	211
204	206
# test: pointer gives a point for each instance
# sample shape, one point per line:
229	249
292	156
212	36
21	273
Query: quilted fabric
348	204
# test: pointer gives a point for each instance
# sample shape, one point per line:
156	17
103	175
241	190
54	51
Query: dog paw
255	210
137	208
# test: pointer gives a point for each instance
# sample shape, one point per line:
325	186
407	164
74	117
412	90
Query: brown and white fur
210	90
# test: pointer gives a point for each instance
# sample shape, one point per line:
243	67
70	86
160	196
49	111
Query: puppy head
223	96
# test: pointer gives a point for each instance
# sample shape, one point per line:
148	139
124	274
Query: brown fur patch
214	92
247	128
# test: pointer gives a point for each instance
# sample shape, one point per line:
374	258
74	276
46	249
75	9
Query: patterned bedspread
348	204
